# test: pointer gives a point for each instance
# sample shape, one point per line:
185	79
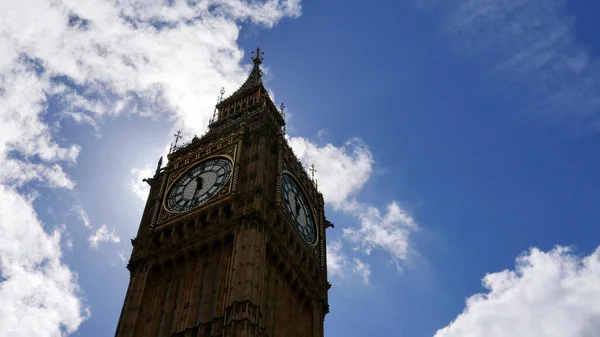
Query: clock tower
232	237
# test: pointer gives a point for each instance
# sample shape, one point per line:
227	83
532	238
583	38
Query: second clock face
199	184
298	209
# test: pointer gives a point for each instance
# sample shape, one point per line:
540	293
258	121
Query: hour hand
199	183
297	205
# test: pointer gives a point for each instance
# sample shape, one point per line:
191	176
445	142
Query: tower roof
253	81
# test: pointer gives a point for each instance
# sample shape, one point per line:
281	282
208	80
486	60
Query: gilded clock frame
180	174
167	217
316	221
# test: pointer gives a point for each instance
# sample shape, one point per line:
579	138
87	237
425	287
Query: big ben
232	238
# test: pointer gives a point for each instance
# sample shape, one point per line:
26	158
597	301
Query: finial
221	93
282	111
312	171
214	117
159	165
177	137
257	58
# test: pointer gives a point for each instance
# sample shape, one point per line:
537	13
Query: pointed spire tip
257	57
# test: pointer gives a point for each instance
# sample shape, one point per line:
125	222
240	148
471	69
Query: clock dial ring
199	184
298	209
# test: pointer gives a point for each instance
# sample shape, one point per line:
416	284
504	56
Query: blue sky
455	143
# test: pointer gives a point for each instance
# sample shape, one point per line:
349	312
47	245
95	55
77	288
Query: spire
255	77
282	112
158	166
253	81
257	58
221	93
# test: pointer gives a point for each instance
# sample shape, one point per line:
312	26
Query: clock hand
199	183
297	206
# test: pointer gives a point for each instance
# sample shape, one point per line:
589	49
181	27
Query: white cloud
101	235
131	56
340	265
17	173
122	257
23	132
336	260
533	45
140	188
389	232
65	236
38	292
342	172
549	294
82	214
362	269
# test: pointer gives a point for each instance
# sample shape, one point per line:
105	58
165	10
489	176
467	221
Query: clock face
199	184
297	208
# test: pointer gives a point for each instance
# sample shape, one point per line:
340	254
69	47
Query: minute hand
298	206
